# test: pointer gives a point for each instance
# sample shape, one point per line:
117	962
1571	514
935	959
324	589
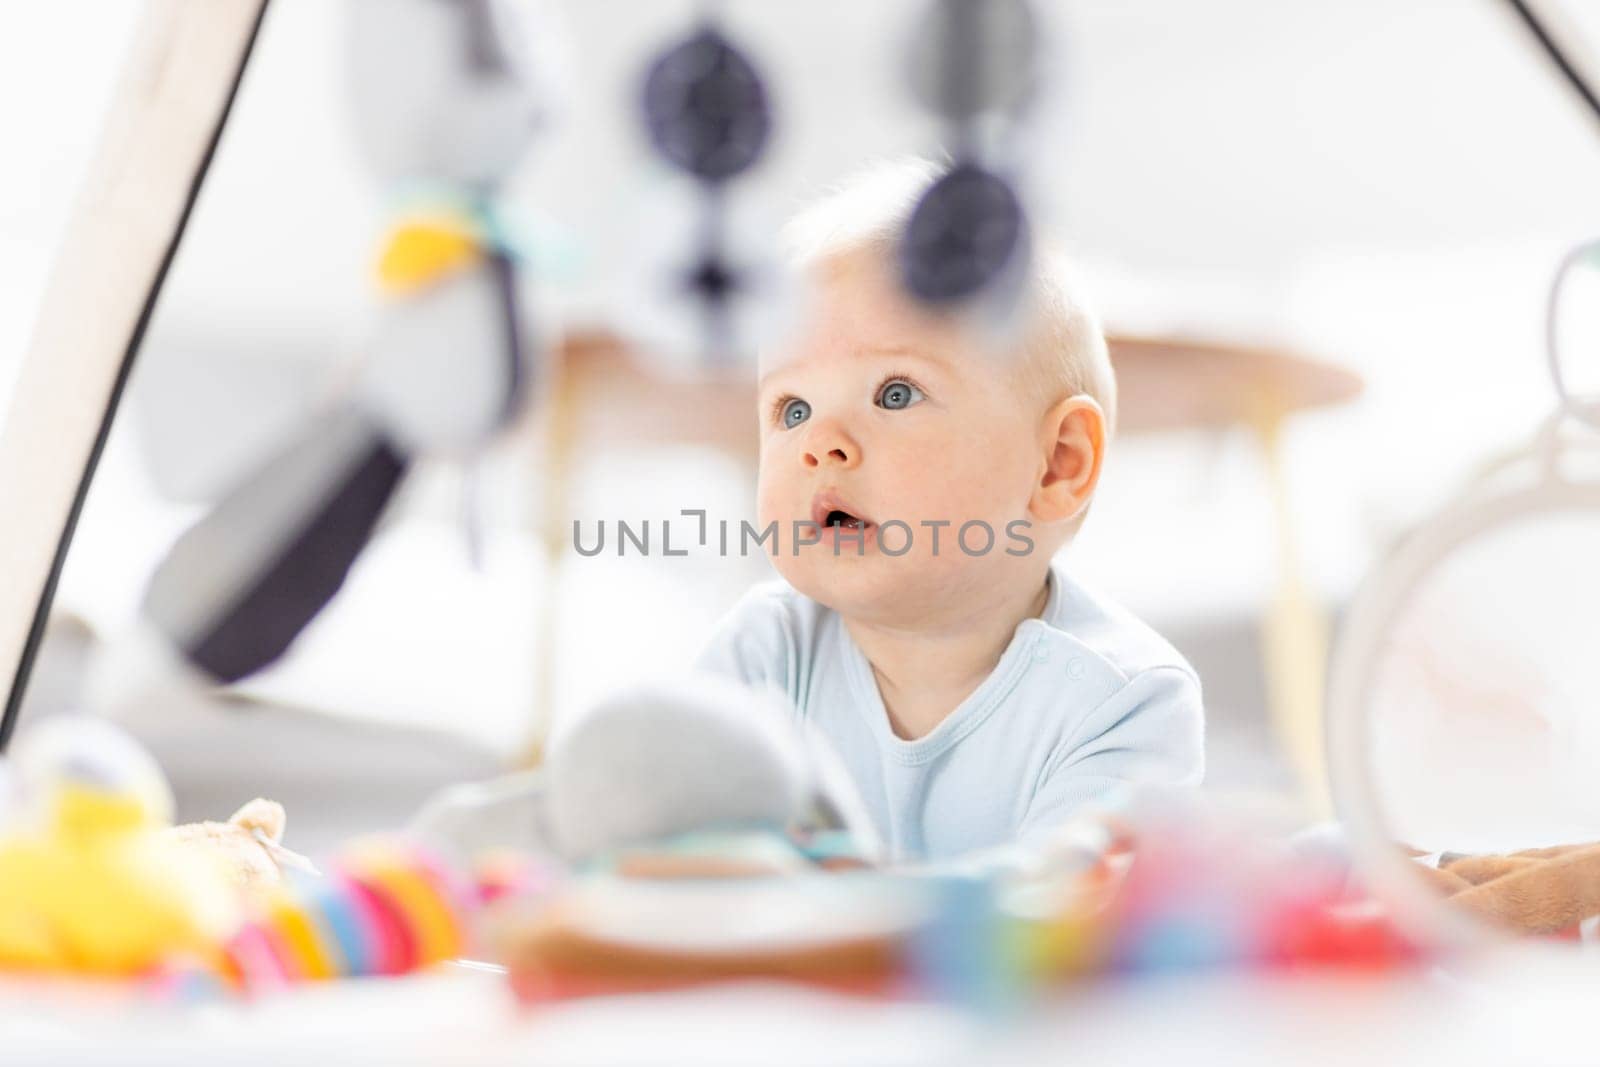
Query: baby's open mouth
832	513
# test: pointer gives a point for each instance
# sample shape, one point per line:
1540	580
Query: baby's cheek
767	511
1000	475
769	491
960	484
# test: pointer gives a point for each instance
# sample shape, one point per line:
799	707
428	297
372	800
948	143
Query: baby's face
879	412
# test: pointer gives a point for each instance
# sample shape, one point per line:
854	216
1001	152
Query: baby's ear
1072	446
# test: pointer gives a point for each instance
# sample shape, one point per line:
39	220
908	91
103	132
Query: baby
923	481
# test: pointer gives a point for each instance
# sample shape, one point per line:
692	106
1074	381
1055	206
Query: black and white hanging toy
974	63
707	114
445	106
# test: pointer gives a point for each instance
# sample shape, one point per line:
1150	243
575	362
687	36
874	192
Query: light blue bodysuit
1085	700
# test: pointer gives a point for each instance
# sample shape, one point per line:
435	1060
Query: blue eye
795	411
897	394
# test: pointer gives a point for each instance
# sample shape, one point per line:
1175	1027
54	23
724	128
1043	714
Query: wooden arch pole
161	130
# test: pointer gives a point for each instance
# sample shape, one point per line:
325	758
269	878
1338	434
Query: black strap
1564	64
269	614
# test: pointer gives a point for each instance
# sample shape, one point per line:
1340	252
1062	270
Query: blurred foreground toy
1153	892
685	769
248	846
1207	891
700	827
93	879
611	934
697	820
691	783
696	755
386	908
1551	892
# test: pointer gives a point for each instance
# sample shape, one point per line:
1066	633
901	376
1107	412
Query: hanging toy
974	64
445	105
707	115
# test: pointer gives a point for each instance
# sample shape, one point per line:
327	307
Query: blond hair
1063	345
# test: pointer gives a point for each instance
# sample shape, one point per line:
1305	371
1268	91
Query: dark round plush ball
965	232
706	108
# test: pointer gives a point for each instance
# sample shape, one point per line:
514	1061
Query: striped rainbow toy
386	908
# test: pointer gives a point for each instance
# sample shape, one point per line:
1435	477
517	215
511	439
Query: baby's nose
830	445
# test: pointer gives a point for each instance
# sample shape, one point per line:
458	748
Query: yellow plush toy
93	877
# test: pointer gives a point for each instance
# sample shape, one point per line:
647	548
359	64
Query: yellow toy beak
84	811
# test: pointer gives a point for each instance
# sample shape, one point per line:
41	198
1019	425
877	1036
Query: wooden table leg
1294	635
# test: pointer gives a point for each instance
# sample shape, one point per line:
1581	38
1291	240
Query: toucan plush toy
445	102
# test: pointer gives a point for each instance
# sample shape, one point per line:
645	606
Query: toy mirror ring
1572	332
1366	649
963	235
975	56
705	107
